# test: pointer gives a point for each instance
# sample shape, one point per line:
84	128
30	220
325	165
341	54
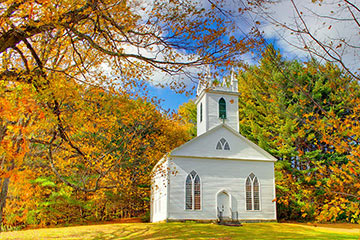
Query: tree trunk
3	196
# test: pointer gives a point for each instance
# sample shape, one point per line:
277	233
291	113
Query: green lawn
187	231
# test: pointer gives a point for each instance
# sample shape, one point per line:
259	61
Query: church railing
235	216
220	215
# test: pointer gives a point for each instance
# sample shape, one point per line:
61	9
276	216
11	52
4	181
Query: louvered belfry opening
222	108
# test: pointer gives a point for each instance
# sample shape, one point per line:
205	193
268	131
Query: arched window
248	194
252	193
188	192
222	108
201	114
222	145
193	192
197	193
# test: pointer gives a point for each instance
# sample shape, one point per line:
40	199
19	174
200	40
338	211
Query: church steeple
217	104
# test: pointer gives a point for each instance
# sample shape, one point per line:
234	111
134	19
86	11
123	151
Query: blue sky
290	45
171	100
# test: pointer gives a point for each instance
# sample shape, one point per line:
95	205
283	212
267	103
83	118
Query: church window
197	193
222	108
256	194
248	194
201	112
188	192
222	145
193	192
252	193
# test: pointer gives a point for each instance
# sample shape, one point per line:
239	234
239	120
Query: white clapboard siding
205	146
218	175
232	110
210	107
159	192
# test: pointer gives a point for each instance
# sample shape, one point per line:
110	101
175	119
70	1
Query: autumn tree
188	114
121	136
48	49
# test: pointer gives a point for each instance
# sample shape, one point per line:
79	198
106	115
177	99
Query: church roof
222	142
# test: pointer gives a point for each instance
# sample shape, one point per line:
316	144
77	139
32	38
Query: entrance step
229	222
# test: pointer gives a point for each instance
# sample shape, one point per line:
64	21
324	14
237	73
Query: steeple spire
233	80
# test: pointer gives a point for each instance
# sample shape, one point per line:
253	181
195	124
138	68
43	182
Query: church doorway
223	204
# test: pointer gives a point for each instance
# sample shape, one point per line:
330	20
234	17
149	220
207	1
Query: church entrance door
223	204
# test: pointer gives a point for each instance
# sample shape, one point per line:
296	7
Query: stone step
229	222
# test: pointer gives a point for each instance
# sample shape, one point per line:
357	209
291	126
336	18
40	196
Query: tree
188	114
133	37
323	29
121	139
67	55
292	110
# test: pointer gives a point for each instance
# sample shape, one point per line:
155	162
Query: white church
217	175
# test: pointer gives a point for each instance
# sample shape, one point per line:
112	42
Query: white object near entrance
224	204
218	170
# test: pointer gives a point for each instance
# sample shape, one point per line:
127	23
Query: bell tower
217	104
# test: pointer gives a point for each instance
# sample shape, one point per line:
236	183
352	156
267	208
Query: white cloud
329	21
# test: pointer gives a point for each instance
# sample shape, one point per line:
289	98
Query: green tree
286	108
188	114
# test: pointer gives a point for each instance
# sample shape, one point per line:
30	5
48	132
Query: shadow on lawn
188	230
213	231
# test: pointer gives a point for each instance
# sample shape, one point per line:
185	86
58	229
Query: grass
187	230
